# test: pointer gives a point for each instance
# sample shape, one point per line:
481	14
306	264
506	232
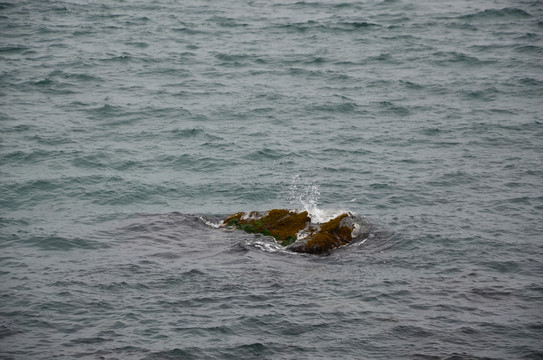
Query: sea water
129	129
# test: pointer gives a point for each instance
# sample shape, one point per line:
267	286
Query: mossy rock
283	225
286	226
289	240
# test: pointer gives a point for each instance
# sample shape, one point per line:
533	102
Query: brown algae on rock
282	224
287	225
328	236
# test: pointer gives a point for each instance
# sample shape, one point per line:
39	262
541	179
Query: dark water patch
196	163
488	94
100	189
169	72
492	293
465	356
176	353
195	132
503	266
50	86
127	193
97	340
398	21
257	350
235	59
345	5
362	24
530	81
410	332
227	22
106	112
316	60
113	353
17	195
267	153
12	49
125	58
158	223
26	157
412	85
343	107
298	27
122	286
137	21
9	329
53	140
78	77
84	32
489	14
383	57
98	160
308	73
327	27
532	49
392	108
190	30
454	57
62	243
6	5
463	26
456	178
7	222
433	131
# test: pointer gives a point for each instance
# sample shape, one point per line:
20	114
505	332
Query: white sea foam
210	223
320	216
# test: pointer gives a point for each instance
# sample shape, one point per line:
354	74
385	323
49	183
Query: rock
295	230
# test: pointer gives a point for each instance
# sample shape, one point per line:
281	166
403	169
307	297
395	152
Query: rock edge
295	231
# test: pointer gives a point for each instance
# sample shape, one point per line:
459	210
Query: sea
129	129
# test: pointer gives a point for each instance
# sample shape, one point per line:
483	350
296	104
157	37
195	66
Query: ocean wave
64	243
327	26
509	12
448	57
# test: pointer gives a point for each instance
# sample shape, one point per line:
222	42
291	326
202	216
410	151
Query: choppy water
128	128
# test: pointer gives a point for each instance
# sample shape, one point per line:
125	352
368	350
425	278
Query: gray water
130	128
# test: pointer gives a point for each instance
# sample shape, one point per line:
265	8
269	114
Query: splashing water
304	194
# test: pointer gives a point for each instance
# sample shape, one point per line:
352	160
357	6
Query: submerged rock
296	231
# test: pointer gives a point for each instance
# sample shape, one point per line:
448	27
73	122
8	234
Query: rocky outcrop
296	231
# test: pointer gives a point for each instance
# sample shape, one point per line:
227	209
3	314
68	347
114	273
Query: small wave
188	132
362	24
75	76
106	110
62	243
227	22
9	49
266	154
187	30
529	49
233	57
392	108
496	13
6	5
448	57
51	86
328	26
212	224
343	107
